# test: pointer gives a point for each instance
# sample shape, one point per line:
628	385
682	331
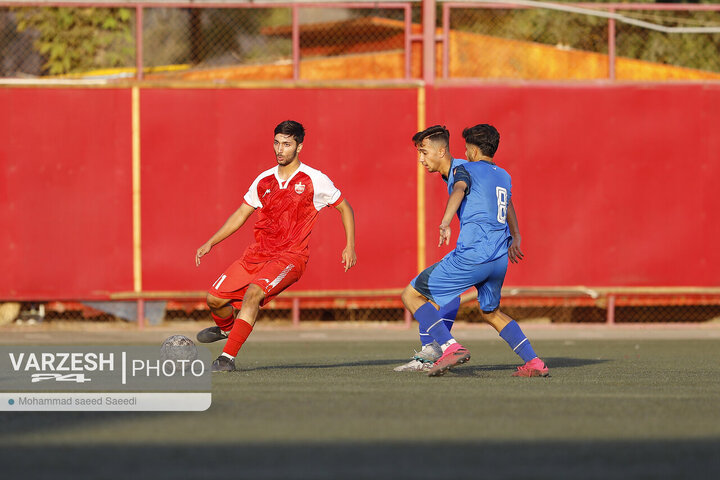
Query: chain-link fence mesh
700	52
364	42
628	309
213	37
536	43
50	41
525	44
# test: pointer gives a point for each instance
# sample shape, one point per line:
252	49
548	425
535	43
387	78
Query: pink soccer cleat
533	368
454	355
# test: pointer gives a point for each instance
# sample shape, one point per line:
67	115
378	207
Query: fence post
296	312
408	41
141	313
611	310
296	41
611	46
446	41
428	23
139	42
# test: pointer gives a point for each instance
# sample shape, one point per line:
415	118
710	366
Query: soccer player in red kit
288	198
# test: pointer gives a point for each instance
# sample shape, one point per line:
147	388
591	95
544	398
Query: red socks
240	332
225	324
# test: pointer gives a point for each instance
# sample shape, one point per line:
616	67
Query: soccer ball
178	347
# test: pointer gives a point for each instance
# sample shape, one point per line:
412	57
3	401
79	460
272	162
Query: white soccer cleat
429	353
414	366
423	360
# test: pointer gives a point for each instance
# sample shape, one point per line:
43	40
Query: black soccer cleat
223	364
211	334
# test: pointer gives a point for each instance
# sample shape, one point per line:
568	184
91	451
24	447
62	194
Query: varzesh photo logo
177	366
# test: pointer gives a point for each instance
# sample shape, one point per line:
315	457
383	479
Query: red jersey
287	210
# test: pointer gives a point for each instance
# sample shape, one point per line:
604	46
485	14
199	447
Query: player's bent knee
254	295
409	294
215	303
489	316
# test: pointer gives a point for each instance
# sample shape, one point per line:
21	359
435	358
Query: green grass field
314	405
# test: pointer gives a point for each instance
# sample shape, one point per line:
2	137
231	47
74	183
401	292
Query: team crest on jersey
299	188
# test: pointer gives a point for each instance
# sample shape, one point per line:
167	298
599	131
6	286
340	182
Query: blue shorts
451	276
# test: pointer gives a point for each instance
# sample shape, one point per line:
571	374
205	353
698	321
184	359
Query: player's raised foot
533	368
454	355
223	364
423	360
211	334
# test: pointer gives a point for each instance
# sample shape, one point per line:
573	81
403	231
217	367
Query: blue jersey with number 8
484	234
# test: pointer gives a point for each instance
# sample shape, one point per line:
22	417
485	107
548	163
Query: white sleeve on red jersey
251	197
325	193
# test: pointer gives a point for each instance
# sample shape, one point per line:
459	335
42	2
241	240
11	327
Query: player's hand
349	258
202	251
514	252
444	234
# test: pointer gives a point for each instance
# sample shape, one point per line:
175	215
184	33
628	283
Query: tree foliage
79	39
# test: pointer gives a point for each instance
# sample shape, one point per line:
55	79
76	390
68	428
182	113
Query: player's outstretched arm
456	198
515	254
235	221
349	259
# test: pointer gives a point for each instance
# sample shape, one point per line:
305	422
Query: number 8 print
502	202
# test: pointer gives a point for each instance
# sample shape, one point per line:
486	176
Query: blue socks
433	326
447	313
431	322
517	340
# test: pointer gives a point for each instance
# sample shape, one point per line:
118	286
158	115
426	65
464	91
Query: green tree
76	40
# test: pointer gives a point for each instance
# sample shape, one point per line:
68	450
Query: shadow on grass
552	362
574	460
296	366
471	369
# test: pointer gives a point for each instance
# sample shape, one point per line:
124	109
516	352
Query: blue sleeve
509	187
461	175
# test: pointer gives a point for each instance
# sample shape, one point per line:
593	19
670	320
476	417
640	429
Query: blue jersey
484	234
450	180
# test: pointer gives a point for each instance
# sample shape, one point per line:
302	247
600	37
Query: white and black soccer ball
178	347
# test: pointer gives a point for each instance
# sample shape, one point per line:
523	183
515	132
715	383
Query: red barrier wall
203	148
65	183
614	185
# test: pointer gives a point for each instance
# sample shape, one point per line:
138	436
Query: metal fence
360	41
539	307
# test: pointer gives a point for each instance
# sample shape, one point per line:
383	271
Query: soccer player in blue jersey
481	197
433	146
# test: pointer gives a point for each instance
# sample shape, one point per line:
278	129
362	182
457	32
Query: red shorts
273	276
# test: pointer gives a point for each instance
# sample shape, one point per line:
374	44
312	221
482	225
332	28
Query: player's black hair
484	136
436	132
292	128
